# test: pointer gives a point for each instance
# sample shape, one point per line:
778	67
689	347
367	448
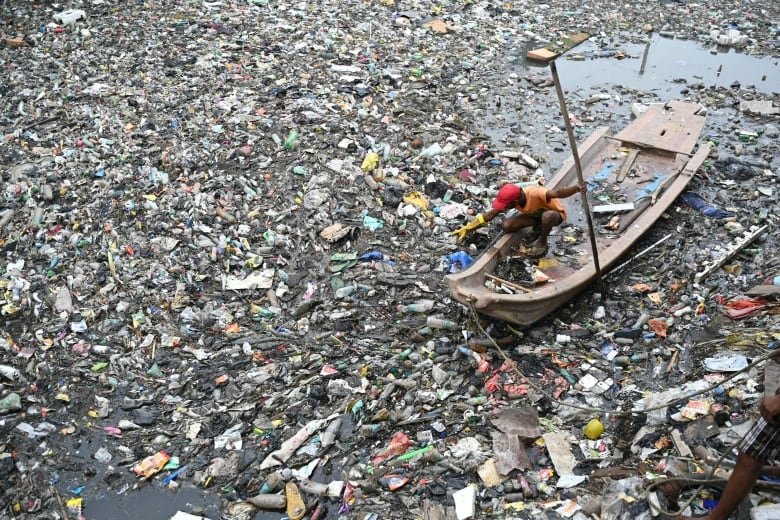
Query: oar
578	167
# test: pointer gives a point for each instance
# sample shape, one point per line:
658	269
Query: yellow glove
477	223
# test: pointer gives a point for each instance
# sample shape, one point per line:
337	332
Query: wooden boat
644	167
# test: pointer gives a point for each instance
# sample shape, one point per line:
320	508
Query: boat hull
530	305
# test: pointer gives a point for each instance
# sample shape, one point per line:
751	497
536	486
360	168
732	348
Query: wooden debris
520	420
615	473
673	361
506	283
627	164
730	251
679	443
552	51
557	444
542	54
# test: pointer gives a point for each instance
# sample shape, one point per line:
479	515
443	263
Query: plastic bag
696	202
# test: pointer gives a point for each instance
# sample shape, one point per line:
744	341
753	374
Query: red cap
507	196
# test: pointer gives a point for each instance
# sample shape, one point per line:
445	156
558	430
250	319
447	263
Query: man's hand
477	223
770	409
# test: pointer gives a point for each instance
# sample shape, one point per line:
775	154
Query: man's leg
518	222
550	219
746	472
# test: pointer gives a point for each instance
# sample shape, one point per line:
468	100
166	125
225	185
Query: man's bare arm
563	193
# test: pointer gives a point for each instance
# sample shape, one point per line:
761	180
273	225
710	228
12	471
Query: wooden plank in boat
676	130
627	164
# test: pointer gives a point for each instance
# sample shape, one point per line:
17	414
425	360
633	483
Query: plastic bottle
70	16
683	311
641	320
440	323
328	437
272	483
313	488
291	141
418	306
268	501
36	218
622	361
370	182
5	217
345	291
545	488
369	430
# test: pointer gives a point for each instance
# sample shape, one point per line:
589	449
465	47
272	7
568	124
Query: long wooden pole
578	167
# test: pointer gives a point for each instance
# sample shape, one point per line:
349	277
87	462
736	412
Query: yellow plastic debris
593	429
370	162
417	199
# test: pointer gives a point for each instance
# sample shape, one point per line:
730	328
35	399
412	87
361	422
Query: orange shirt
536	202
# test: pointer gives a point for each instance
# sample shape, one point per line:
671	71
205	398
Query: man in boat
536	207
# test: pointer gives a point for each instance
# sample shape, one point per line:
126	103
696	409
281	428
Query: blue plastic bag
696	202
458	261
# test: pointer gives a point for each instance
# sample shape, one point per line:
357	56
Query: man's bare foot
537	249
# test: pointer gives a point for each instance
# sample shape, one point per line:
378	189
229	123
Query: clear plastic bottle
343	292
418	306
441	323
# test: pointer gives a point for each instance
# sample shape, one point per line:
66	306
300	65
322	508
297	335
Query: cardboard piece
557	444
521	420
509	453
433	510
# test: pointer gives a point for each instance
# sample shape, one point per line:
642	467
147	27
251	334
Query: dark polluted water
153	503
667	60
